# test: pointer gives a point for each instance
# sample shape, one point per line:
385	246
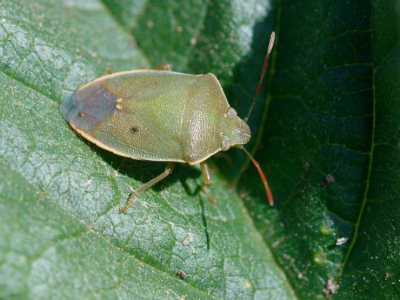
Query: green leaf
62	233
331	149
48	253
325	130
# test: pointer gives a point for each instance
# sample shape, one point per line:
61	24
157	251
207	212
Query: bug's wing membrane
89	106
129	134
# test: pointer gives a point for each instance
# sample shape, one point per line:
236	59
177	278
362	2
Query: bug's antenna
262	175
271	44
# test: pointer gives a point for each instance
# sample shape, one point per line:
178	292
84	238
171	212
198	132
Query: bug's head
233	130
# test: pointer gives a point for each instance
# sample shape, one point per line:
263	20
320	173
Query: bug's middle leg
205	171
168	170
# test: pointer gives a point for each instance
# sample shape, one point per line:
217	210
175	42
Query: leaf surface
62	231
325	130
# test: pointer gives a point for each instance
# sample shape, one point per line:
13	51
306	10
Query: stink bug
161	116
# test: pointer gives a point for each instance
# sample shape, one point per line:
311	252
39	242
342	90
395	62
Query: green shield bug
160	115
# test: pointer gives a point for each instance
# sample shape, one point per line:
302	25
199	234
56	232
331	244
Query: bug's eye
225	146
231	112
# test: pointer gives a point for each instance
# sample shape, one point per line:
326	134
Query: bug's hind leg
207	182
164	67
149	184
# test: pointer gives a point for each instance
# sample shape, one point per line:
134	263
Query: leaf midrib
246	164
368	178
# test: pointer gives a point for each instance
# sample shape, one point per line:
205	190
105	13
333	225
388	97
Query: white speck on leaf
341	241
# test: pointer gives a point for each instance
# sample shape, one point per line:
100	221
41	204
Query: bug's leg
164	66
205	171
208	193
137	192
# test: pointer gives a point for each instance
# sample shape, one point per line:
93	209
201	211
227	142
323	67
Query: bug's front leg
205	171
168	170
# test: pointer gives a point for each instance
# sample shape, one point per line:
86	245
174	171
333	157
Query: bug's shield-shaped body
156	115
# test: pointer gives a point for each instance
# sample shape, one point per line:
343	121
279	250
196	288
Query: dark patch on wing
89	106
